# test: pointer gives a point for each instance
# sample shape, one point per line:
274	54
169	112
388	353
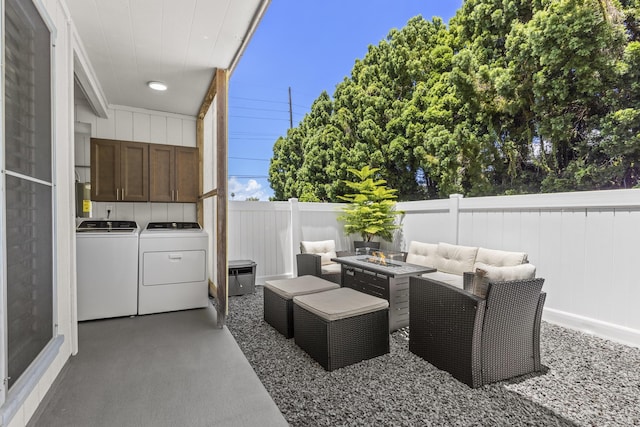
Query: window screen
28	185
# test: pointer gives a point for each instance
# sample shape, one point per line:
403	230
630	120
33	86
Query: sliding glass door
28	188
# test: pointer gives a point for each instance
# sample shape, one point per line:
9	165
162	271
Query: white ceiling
178	42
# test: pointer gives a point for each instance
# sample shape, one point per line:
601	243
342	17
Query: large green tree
513	96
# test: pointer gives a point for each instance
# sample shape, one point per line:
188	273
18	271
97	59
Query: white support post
295	234
454	217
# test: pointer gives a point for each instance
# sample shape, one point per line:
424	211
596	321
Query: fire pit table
383	277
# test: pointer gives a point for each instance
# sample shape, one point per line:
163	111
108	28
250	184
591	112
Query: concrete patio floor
163	369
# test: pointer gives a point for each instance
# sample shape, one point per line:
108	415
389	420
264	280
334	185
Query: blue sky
308	46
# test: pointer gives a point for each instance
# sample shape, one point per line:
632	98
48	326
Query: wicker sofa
478	337
452	261
477	340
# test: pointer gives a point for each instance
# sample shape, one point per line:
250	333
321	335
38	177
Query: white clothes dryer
172	267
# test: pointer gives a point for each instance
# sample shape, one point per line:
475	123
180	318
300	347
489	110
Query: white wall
135	124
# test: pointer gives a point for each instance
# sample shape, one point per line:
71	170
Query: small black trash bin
242	277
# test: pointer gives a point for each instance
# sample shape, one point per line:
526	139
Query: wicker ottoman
278	299
341	327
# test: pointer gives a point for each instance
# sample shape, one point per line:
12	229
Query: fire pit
380	258
381	261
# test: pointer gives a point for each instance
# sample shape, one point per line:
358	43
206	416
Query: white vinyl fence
584	244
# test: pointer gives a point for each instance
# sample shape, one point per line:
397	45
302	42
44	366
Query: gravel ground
589	382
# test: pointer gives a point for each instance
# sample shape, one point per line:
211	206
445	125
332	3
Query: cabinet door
162	173
186	178
134	172
105	170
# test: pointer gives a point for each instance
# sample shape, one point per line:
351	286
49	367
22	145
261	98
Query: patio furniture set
473	312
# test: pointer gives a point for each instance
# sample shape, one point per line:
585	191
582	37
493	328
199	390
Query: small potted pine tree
371	210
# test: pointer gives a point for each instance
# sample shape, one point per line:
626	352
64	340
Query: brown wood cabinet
119	171
173	173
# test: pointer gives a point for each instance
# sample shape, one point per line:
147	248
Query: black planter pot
362	244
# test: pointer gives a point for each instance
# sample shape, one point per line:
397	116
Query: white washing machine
173	267
107	268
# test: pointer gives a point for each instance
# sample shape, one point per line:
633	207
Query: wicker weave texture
478	341
311	264
278	312
444	325
339	343
508	338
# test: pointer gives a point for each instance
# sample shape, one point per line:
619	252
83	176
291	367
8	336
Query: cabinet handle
117	194
123	194
177	195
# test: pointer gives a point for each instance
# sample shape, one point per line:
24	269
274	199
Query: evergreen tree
515	96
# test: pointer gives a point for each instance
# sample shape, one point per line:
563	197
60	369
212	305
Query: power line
248	176
259	100
248	158
244	138
280	89
252	134
258	109
257	118
268	101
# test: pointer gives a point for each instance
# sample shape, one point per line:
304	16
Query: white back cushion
325	248
455	259
500	258
422	253
510	272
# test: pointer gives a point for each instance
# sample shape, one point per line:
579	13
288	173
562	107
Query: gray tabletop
392	268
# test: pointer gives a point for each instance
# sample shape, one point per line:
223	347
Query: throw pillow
480	283
502	274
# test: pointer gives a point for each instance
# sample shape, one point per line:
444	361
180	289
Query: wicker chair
477	340
314	260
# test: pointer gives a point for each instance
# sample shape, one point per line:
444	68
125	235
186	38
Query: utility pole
290	111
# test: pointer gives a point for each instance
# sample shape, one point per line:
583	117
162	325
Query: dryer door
173	267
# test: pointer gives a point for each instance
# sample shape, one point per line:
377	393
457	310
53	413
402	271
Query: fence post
454	216
295	233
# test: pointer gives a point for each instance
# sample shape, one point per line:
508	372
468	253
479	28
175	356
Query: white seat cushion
500	258
455	259
340	303
506	273
302	285
422	253
331	268
451	279
325	248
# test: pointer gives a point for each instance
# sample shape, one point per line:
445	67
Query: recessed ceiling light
157	86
